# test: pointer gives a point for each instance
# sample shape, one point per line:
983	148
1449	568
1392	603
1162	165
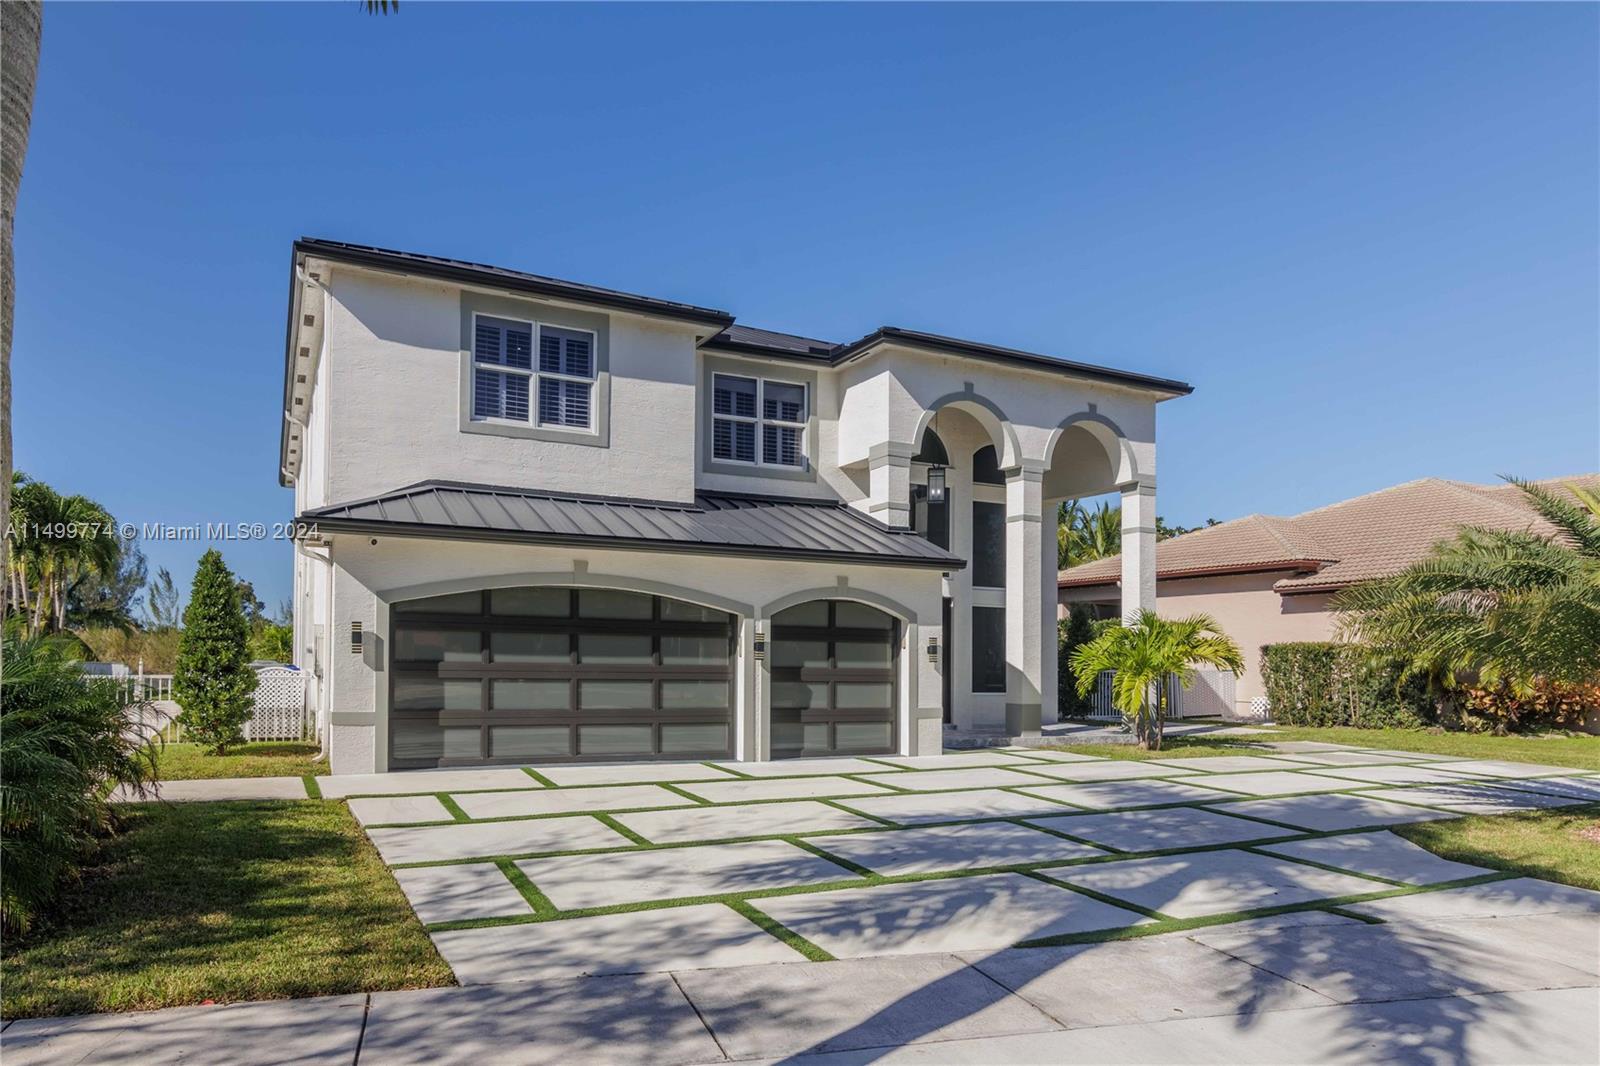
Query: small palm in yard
213	681
1143	653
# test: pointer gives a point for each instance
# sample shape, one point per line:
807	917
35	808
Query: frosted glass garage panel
690	738
434	694
530	695
614	695
694	695
529	741
608	603
848	615
614	739
531	602
694	651
438	645
510	646
617	649
861	736
455	603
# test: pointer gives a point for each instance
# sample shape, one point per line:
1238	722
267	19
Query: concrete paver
866	1003
955	914
1394	775
1515	897
1274	783
826	765
311	1031
1574	786
637	1018
1572	940
1502	768
635	773
915	809
1476	798
1346	757
955	760
1108	984
576	881
1324	813
567	800
1178	827
413	782
1110	795
1235	764
1213	882
783	788
669	938
731	823
966	845
976	777
383	810
461	891
476	840
1380	854
1111	770
221	788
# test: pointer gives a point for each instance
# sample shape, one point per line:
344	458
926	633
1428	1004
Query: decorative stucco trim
1006	443
575	578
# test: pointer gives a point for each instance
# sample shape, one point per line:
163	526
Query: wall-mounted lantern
936	484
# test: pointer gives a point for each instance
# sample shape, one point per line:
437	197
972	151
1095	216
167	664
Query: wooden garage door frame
485	717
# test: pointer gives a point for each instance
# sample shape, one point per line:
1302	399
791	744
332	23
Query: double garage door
520	675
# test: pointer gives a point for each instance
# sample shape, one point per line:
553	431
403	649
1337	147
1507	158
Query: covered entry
513	675
834	686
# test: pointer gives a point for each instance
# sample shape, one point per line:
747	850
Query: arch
577	578
986	469
931	449
1110	436
985	411
839	592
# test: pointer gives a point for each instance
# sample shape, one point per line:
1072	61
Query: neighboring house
1270	580
540	520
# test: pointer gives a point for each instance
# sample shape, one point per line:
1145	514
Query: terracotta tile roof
1330	547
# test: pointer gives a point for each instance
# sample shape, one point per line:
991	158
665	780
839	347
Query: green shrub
65	741
1327	684
1075	629
213	681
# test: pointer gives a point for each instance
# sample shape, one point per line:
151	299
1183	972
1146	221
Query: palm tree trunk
21	23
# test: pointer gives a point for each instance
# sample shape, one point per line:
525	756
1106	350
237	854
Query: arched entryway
550	674
833	665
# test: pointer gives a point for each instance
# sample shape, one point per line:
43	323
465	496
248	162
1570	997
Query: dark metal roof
770	342
716	523
461	270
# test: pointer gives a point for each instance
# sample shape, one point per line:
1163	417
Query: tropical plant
271	641
1072	632
55	542
21	22
156	650
1143	653
65	740
213	681
109	597
1495	607
161	602
1083	535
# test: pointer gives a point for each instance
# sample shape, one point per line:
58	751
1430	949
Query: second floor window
759	422
509	385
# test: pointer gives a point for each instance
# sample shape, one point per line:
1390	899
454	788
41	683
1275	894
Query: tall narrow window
502	368
566	376
988	649
989	545
757	422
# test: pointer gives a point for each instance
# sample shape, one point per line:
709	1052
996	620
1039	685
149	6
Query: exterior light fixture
933	648
761	646
355	638
935	484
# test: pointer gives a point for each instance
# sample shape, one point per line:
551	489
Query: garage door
833	679
555	674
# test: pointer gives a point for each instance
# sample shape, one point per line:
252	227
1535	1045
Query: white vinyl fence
280	711
1210	696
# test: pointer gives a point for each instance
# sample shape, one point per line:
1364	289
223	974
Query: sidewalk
1332	990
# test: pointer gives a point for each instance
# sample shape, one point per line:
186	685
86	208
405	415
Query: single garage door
833	680
544	674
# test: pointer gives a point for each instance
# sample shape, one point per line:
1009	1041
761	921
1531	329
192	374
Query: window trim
473	305
760	421
533	373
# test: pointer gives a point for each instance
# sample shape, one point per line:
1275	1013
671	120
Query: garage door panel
834	681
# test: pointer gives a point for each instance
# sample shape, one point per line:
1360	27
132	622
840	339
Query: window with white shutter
758	422
507	384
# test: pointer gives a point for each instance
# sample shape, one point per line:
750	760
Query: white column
1049	598
1138	546
889	486
1024	584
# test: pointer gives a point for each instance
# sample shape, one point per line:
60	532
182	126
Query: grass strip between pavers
313	790
772	927
537	776
452	806
536	899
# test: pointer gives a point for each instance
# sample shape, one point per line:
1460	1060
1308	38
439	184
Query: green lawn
1558	749
1556	845
222	902
188	762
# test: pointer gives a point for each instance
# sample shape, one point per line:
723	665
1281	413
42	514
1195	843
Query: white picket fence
280	711
1210	696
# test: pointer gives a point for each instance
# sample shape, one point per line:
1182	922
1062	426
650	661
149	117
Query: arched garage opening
834	686
551	674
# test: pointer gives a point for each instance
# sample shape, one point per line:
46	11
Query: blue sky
1368	234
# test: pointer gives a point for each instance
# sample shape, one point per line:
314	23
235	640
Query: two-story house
545	521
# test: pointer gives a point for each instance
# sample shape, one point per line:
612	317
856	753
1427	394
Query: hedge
1326	684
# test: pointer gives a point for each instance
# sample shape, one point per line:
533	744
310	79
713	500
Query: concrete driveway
567	871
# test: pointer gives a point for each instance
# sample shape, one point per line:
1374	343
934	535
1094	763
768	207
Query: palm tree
1144	653
1083	535
55	540
1511	607
20	24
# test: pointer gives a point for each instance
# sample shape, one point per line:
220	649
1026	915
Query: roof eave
310	521
1299	566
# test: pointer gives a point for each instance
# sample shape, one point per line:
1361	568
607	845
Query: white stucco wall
368	576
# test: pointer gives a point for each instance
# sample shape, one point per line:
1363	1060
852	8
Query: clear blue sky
1368	234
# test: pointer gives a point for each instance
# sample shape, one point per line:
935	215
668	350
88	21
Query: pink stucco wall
1245	606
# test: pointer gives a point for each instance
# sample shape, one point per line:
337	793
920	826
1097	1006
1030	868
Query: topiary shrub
1326	684
213	681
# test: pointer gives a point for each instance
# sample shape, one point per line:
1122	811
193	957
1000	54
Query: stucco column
1049	600
889	467
1138	546
1024	584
